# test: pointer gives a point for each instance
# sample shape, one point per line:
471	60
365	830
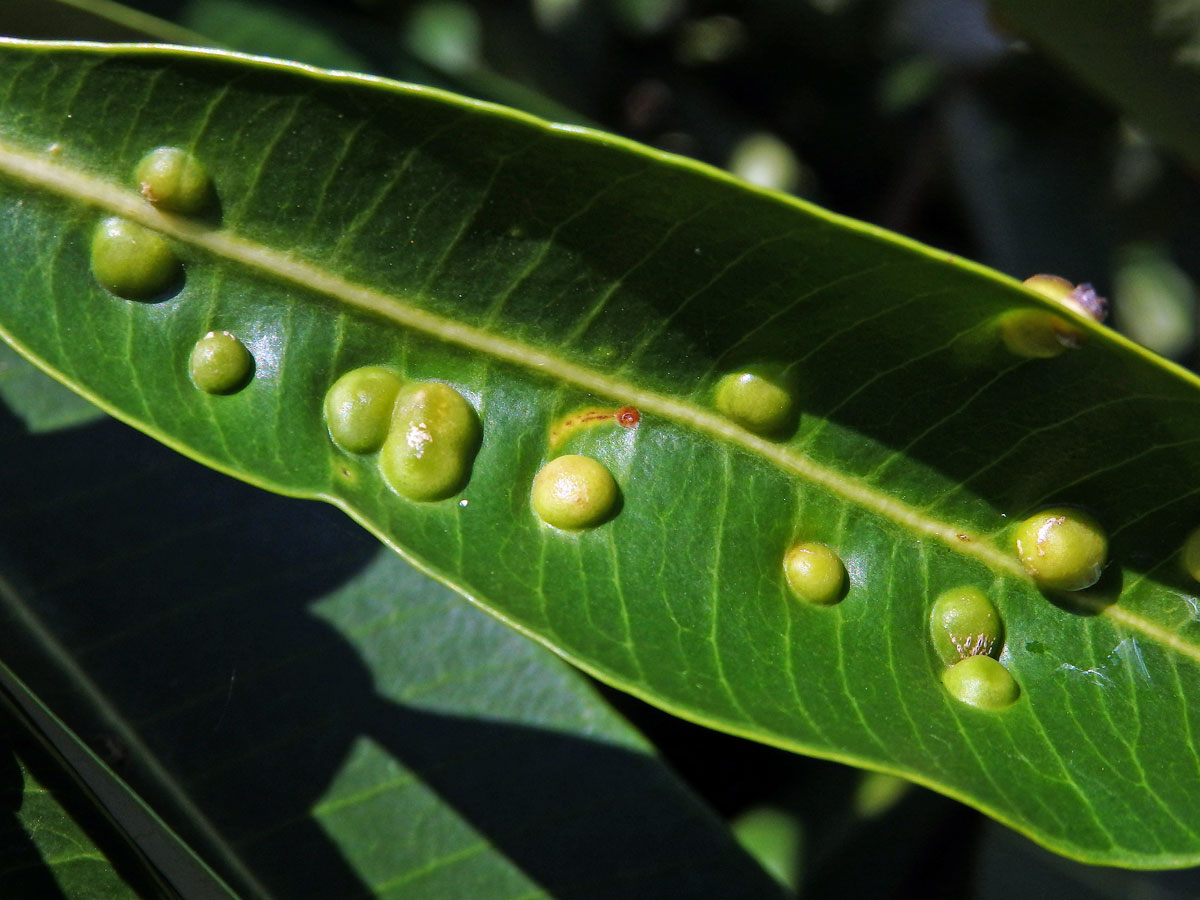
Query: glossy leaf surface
546	272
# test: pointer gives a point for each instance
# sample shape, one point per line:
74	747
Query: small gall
628	416
431	442
1082	298
814	573
981	682
220	363
1063	548
964	623
574	492
755	401
132	261
358	408
173	179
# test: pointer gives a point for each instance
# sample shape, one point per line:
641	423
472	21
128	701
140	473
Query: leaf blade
460	222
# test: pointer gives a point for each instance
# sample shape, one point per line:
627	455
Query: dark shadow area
100	554
166	583
924	846
1010	865
921	844
1094	600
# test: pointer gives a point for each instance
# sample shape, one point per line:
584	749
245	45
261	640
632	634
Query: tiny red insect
627	416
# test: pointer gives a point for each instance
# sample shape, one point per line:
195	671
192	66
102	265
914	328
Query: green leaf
317	718
545	270
1144	57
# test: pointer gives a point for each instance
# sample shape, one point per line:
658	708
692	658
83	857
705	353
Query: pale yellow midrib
45	173
129	204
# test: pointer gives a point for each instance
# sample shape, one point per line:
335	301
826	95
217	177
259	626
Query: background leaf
138	841
92	20
43	850
1143	56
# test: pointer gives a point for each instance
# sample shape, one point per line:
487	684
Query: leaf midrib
35	170
223	244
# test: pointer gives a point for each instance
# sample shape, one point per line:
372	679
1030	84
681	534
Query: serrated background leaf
586	271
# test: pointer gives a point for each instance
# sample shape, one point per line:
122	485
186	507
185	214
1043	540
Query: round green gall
220	363
1190	555
1050	286
1037	334
431	442
132	261
173	179
814	573
358	408
756	402
982	682
1062	548
964	623
574	492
